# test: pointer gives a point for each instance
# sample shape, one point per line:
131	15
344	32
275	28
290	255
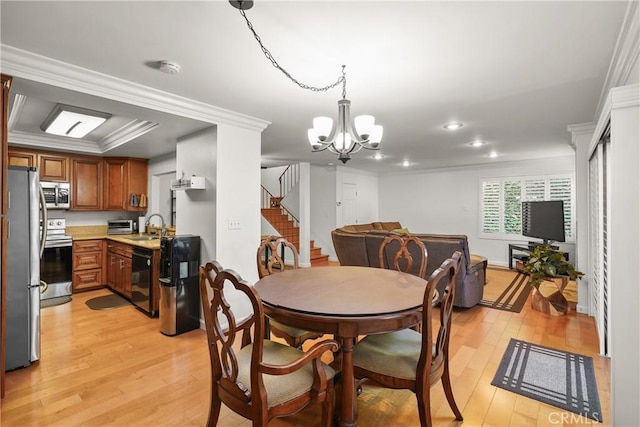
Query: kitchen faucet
164	225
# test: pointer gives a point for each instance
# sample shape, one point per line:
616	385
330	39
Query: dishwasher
141	283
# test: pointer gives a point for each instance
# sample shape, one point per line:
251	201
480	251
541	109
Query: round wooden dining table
347	302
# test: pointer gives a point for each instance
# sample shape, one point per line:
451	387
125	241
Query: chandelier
348	136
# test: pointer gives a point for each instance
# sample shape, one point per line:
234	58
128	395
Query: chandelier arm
342	79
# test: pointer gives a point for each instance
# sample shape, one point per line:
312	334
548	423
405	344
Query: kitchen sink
144	238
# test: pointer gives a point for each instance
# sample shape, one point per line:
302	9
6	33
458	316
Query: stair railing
266	204
289	178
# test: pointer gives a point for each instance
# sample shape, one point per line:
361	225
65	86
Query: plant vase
548	297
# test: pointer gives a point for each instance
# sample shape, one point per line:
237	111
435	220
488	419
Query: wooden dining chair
258	379
405	253
270	258
406	246
407	359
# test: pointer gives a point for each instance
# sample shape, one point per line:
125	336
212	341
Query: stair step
320	260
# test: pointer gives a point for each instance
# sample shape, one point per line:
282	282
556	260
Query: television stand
522	252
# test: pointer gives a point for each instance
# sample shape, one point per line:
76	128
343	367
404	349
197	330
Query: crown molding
625	54
126	133
16	110
51	142
618	97
578	130
31	66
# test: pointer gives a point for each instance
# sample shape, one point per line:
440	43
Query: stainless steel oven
56	264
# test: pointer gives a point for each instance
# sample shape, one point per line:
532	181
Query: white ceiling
515	73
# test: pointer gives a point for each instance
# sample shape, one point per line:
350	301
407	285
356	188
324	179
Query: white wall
447	201
269	179
581	137
196	209
624	254
323	208
238	199
367	184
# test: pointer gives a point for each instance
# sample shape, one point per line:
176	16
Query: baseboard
582	309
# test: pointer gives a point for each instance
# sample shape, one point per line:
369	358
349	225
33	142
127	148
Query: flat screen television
543	220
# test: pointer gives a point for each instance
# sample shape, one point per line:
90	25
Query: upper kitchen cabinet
51	166
86	183
125	184
22	158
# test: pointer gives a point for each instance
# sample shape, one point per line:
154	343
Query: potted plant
548	264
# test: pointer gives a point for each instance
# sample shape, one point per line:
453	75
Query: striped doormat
559	378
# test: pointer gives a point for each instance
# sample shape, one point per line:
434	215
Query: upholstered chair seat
280	388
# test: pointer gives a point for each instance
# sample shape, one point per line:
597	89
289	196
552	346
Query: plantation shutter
512	206
562	189
501	202
491	207
599	199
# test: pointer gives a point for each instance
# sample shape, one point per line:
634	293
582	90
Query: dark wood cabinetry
97	183
22	158
53	167
87	265
125	181
119	268
86	183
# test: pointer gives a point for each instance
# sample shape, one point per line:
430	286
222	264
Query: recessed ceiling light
74	122
453	126
377	156
406	163
493	154
477	143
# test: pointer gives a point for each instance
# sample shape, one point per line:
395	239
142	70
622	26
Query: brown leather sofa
359	245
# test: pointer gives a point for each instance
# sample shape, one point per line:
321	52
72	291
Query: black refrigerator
179	285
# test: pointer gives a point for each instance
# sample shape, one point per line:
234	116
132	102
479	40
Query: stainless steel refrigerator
24	244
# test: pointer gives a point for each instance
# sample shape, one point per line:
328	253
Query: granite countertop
92	232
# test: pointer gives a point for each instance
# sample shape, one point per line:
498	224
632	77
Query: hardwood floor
114	367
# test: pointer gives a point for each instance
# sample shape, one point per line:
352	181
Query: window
501	202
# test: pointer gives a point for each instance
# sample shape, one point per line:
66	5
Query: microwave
57	195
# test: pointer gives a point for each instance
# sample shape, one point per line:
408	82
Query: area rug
50	302
558	378
106	302
506	296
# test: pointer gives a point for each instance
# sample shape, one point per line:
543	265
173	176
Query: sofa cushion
386	225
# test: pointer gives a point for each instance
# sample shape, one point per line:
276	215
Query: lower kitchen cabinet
87	265
119	268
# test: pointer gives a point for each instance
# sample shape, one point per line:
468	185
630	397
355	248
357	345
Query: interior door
349	203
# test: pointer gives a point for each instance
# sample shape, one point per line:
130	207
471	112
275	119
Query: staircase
287	226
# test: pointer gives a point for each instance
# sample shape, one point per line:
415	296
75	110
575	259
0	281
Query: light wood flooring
114	367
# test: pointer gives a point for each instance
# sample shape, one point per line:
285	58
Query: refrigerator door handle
43	232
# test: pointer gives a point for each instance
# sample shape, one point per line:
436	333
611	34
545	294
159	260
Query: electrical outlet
234	224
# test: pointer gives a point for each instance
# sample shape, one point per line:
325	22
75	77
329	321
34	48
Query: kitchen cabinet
51	166
125	181
119	268
87	265
86	183
22	158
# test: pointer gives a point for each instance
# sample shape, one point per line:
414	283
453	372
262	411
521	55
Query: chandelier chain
342	79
